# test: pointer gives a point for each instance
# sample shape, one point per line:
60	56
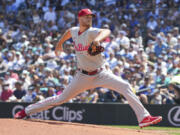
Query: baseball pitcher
91	72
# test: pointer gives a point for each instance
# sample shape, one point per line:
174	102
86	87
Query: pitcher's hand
57	53
58	50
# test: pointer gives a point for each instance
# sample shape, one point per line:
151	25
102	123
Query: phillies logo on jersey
81	47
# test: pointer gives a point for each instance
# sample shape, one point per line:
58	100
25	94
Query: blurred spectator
10	80
31	94
174	86
92	96
19	92
175	31
157	97
150	46
1	83
159	47
3	67
36	17
50	15
138	38
177	46
151	35
152	24
122	40
171	41
145	96
6	92
51	90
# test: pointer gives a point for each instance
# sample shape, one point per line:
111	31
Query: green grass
169	130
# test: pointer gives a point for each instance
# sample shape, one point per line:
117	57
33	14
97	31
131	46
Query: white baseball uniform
82	82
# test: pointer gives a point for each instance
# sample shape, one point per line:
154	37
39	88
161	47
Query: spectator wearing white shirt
171	40
51	64
10	80
36	17
10	60
139	39
49	54
161	63
150	46
134	44
50	15
122	40
152	24
176	32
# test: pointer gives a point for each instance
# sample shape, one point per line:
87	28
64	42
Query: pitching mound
44	127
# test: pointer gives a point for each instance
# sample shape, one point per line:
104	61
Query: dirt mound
47	127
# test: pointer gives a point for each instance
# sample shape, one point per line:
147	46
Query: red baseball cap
85	11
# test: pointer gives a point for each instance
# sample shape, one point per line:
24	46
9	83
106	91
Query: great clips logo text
61	113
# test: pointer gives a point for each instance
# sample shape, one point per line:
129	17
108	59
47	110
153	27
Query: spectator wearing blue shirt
159	47
145	95
11	7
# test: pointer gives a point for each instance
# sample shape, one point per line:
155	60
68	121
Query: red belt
92	72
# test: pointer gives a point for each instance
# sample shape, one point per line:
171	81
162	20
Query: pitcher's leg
79	84
114	82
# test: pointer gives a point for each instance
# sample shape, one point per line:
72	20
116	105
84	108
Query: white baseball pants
82	82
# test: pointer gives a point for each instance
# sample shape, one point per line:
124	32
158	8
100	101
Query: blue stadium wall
104	114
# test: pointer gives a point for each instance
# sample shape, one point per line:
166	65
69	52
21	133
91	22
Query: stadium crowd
144	48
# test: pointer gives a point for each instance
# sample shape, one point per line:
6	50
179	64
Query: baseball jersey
81	44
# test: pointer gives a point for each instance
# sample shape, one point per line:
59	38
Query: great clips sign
60	113
105	114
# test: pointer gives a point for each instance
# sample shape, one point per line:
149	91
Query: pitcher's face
85	21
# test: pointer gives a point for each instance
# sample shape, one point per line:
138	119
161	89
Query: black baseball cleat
20	115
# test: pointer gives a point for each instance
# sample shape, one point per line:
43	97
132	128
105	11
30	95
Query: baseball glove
94	50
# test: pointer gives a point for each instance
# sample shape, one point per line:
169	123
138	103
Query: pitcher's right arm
59	47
